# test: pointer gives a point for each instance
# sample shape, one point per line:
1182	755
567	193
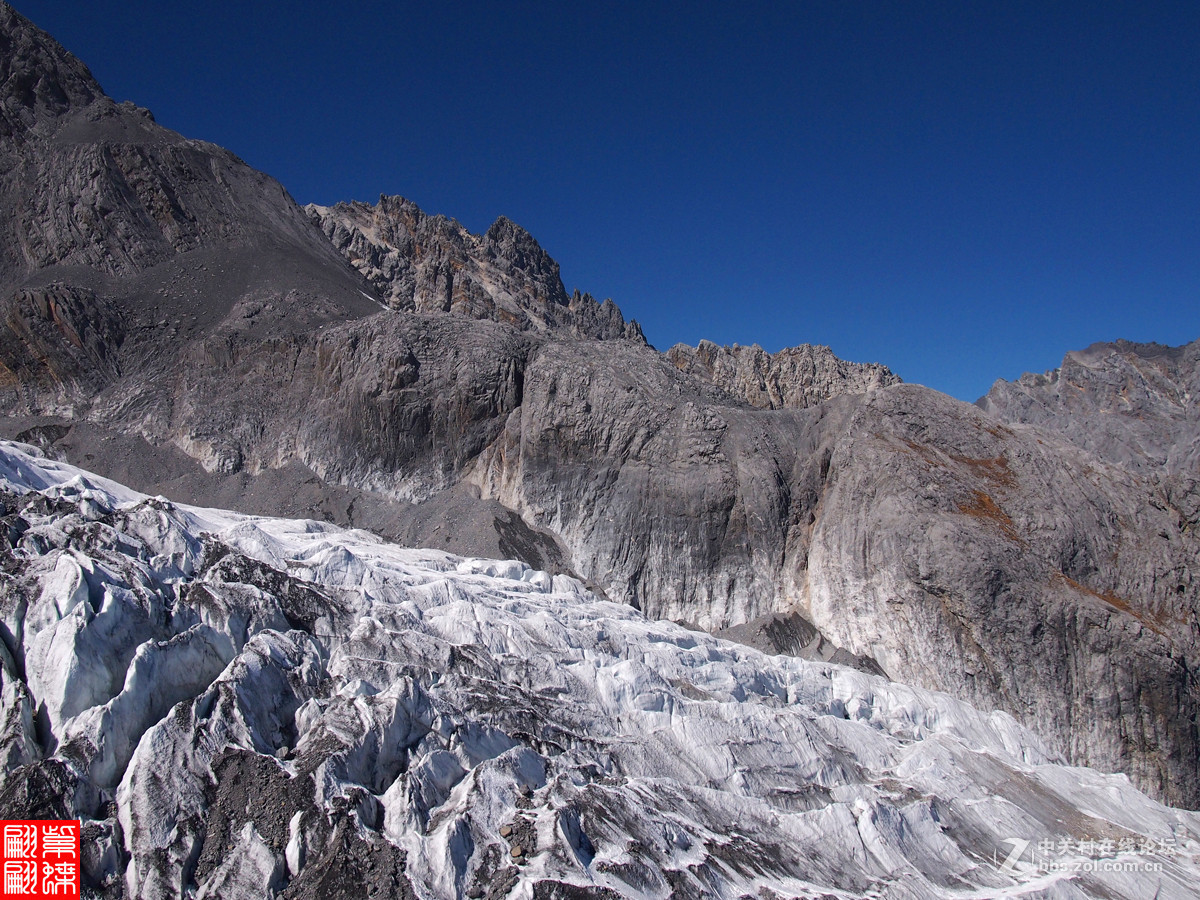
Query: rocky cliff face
432	264
89	182
1002	565
225	349
37	77
1131	404
1136	406
795	378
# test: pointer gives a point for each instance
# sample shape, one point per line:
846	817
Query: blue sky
963	191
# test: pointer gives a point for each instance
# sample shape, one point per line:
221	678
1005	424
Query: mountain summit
38	78
432	264
1131	404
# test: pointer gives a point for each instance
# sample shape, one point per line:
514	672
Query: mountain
795	377
90	184
432	264
248	707
1131	404
379	368
116	233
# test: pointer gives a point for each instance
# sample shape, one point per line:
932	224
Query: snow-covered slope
250	707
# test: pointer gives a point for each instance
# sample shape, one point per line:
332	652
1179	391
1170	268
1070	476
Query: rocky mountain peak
38	76
795	377
432	264
1129	403
401	210
516	249
88	183
505	230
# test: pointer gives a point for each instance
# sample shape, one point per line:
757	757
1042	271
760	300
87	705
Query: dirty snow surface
250	707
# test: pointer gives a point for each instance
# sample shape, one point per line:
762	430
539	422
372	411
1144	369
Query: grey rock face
796	636
220	336
38	78
1131	404
796	377
1003	565
1017	569
98	204
63	344
105	187
432	264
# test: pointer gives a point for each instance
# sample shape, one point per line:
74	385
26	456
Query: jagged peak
1129	403
1096	354
1148	350
505	228
795	377
433	264
392	209
507	238
38	76
396	206
504	224
711	349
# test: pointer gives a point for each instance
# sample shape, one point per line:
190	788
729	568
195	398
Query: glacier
242	706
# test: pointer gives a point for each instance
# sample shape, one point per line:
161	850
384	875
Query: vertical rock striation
793	378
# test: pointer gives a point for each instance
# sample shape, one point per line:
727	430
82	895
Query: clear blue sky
962	191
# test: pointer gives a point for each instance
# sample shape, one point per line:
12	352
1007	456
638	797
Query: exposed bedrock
1002	565
432	264
795	377
1132	404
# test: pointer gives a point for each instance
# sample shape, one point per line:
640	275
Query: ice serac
406	723
795	377
432	264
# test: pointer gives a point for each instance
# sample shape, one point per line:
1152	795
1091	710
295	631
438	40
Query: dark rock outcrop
102	208
38	78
